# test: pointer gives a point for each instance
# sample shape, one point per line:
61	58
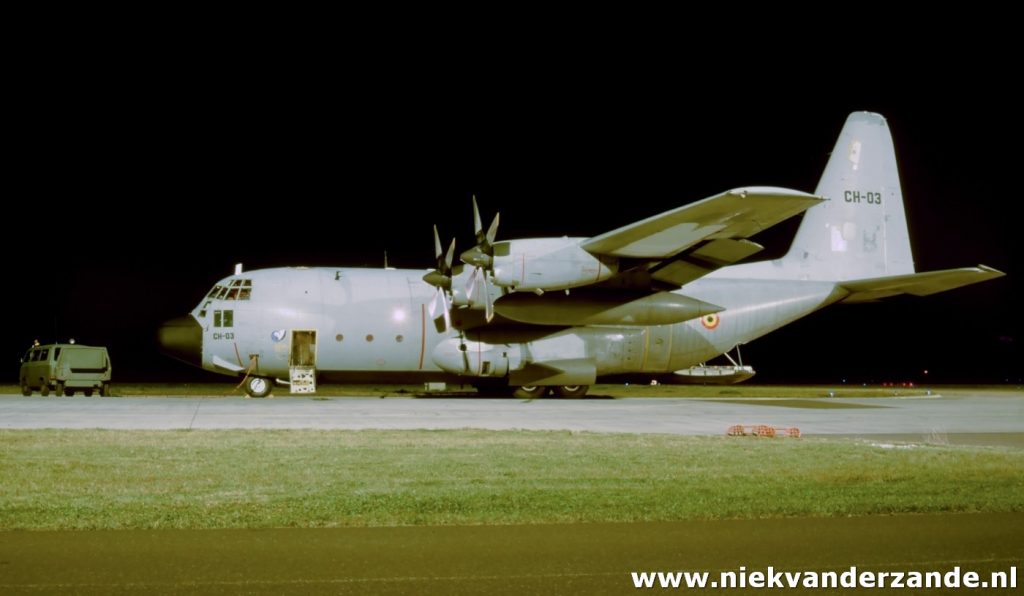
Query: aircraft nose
182	338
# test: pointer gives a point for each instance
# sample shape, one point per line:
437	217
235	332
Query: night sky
213	172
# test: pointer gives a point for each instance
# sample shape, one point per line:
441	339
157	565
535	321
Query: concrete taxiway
937	417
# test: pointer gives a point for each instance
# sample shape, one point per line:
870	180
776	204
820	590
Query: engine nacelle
548	264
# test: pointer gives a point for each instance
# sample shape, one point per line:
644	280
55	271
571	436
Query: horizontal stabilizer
917	284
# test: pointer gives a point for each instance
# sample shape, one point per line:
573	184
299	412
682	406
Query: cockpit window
237	289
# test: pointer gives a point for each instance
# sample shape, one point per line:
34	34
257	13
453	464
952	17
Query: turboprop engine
548	264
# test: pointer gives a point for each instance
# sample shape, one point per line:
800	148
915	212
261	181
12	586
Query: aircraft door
302	361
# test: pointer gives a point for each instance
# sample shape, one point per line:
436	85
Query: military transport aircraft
529	316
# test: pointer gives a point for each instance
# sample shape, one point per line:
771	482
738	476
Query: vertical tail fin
860	232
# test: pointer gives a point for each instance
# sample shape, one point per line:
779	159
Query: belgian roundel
709	321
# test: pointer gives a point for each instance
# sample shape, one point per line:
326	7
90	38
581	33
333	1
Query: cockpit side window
214	291
223	318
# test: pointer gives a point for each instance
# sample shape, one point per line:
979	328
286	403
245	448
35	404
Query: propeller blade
447	311
440	302
493	230
471	285
477	226
448	257
432	307
437	245
488	304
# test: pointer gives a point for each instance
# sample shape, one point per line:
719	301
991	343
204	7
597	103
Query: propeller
481	258
441	278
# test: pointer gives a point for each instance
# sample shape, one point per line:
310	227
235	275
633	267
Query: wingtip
992	271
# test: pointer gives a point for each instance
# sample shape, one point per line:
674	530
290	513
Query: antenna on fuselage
386	260
238	268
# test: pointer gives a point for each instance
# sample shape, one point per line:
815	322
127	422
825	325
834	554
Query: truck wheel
571	390
58	389
105	390
258	386
530	391
87	392
44	390
25	389
69	391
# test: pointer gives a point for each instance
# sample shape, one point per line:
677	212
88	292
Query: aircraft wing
734	214
916	284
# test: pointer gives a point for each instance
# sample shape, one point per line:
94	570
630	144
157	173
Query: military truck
65	368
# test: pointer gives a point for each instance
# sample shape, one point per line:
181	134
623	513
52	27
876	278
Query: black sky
337	168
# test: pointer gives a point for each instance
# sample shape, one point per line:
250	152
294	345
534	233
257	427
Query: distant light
926	371
398	316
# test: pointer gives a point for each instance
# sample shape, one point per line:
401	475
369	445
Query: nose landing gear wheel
258	386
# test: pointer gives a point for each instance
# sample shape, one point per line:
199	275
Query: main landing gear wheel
258	386
530	391
570	390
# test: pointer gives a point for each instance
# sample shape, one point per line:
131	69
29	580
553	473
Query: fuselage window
244	293
216	290
229	318
222	294
202	311
233	294
216	318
